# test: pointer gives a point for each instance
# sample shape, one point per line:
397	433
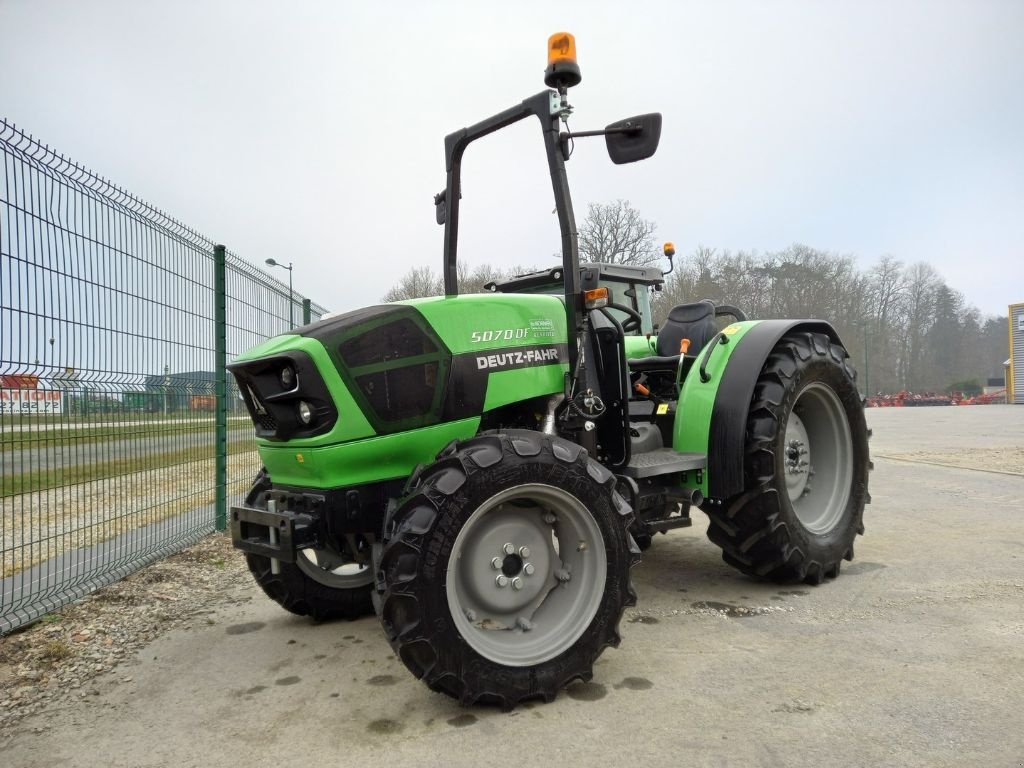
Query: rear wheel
331	582
505	571
805	467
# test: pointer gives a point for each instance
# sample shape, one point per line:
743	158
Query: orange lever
684	346
642	389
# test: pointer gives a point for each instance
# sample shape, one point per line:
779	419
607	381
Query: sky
312	132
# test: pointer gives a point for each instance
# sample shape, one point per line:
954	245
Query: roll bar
549	107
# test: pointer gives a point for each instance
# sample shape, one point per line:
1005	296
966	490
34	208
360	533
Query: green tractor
483	470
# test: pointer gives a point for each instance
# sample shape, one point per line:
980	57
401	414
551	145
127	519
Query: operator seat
695	321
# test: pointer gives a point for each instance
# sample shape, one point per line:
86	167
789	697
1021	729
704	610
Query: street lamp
291	303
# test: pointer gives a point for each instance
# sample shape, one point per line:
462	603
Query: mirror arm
603	132
565	136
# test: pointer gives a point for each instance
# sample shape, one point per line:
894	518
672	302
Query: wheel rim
818	458
345	569
526	575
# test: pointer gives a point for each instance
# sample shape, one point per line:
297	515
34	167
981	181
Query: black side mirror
632	139
440	207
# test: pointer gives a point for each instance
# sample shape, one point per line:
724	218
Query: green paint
494	321
483	321
271	346
640	346
505	387
361	461
352	452
697	400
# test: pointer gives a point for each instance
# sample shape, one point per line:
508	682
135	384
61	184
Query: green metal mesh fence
108	379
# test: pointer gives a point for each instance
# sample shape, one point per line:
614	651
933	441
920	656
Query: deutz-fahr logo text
514	358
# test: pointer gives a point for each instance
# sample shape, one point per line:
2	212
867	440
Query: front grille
265	422
401	393
401	338
274	409
396	368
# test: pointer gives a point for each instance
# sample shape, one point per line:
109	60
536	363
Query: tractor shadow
683	571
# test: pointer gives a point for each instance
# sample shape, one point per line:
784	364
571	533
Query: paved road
914	657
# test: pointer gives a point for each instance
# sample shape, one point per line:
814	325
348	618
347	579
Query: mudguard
715	400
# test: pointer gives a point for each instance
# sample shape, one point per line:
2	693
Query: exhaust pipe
548	427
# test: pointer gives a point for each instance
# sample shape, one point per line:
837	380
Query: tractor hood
406	365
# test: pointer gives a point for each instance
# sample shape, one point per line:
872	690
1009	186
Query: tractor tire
643	539
323	584
506	569
806	467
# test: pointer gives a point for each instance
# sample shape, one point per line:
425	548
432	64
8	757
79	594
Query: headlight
305	412
288	378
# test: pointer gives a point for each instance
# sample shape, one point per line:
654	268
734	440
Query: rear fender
712	415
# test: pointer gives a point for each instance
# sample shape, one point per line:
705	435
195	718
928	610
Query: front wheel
332	582
505	571
805	467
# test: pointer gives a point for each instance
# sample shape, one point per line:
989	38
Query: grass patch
55	650
42	525
61	477
29	439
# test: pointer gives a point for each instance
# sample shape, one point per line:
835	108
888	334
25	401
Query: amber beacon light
562	71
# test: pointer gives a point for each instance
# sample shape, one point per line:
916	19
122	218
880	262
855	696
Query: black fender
728	428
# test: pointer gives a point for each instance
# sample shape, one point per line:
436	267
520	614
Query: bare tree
916	331
420	282
995	344
415	284
922	283
616	233
884	312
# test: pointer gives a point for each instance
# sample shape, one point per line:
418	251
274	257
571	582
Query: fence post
220	366
306	312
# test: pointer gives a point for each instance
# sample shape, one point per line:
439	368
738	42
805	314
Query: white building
1015	371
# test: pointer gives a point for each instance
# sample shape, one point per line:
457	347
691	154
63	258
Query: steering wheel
633	321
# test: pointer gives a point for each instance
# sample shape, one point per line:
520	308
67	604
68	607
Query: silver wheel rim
347	569
818	458
526	575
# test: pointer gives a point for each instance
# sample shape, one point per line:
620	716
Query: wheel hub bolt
471	615
517	583
563	575
501	580
550	518
524	552
528	569
524	624
508	549
496	563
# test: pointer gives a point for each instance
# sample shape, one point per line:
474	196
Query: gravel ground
53	661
